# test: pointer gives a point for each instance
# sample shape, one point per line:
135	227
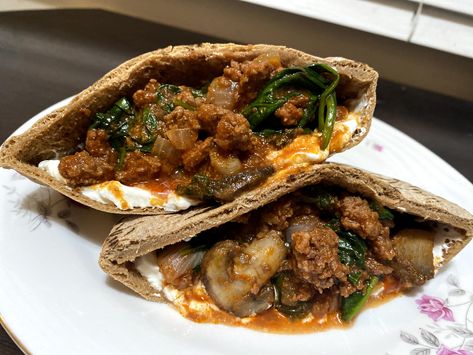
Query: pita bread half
59	133
134	237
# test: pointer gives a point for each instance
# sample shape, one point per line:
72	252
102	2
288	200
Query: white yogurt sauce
122	196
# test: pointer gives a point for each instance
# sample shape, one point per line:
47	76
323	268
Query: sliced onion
163	149
415	247
221	92
179	259
225	165
298	227
272	58
182	138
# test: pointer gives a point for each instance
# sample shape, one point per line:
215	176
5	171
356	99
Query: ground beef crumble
357	216
315	257
85	169
195	156
292	111
93	165
233	132
138	167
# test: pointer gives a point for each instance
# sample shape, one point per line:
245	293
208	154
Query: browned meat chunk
97	144
383	247
294	289
181	118
326	303
342	113
209	115
254	76
347	288
292	111
233	132
146	96
315	257
185	97
83	169
277	217
138	167
233	71
357	216
192	158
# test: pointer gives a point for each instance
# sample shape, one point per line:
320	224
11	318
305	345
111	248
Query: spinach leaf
121	157
125	105
334	224
284	285
322	97
184	104
165	96
281	138
354	277
226	189
145	148
309	111
351	249
202	92
201	188
116	120
267	102
353	304
383	212
323	200
149	121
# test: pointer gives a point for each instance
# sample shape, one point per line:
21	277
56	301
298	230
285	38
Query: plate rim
19	340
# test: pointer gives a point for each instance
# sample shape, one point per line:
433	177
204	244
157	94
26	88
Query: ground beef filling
315	257
165	130
358	217
205	124
331	246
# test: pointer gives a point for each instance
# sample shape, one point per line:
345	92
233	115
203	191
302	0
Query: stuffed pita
185	125
298	256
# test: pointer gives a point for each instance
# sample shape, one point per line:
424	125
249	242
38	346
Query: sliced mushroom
234	274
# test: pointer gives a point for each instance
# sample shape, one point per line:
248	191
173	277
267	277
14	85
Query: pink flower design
443	350
378	147
435	308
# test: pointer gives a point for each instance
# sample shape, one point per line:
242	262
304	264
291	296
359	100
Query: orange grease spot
162	186
114	188
199	307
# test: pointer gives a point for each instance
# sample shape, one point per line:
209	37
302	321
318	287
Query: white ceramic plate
54	299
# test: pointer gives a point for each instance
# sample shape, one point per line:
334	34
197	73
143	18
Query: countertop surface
47	56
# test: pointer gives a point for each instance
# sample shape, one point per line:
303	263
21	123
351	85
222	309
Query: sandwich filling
168	143
311	260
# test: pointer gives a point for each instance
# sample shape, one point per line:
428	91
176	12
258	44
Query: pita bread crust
59	133
134	237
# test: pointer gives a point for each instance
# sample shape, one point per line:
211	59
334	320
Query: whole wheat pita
60	132
133	237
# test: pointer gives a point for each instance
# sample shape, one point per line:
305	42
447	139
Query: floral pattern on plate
54	296
451	332
40	206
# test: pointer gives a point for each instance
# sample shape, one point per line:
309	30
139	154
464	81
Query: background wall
239	21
